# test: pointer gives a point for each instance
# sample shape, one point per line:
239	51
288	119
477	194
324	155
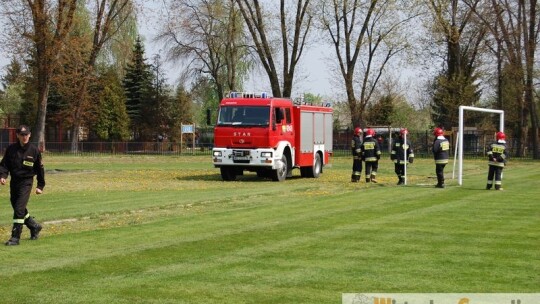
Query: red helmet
370	132
501	136
357	131
438	132
403	131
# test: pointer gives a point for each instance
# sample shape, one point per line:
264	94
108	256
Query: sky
312	75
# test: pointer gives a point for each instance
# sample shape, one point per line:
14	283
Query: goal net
459	154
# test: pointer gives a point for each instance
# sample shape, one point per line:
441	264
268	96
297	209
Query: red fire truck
271	136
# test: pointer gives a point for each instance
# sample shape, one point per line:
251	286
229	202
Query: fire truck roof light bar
248	95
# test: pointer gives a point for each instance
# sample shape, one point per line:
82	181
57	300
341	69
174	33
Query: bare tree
293	36
109	17
208	34
455	25
365	36
515	26
46	25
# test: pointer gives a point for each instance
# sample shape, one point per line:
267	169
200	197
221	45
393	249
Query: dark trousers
20	193
357	166
495	171
439	170
371	168
399	169
356	169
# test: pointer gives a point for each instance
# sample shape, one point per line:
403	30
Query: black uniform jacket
497	154
356	144
23	162
398	151
441	150
371	152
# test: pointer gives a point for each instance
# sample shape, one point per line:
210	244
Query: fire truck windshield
244	116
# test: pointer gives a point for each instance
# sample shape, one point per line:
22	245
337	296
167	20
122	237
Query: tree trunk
43	95
75	138
530	40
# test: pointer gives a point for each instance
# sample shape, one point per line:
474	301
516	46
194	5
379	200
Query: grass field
142	229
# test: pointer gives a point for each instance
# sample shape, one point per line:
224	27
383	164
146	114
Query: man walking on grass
23	161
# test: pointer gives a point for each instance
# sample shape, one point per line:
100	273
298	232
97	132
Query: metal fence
475	143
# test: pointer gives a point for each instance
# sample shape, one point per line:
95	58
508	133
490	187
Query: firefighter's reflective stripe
18	221
441	161
496	164
28	163
369	145
497	149
371	159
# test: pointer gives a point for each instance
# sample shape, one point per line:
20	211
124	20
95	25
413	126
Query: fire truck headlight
217	153
266	154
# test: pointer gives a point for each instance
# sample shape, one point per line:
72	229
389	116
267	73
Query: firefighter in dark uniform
371	153
357	155
497	158
440	149
23	161
402	152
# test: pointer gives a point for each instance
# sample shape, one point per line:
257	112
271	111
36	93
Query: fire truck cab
271	136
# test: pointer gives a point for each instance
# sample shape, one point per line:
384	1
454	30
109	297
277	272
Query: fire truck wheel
313	171
228	174
280	174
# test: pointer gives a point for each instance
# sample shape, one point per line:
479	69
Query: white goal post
460	133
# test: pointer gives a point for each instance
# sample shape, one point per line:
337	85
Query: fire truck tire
314	171
280	174
228	174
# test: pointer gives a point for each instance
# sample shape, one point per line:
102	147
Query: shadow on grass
239	178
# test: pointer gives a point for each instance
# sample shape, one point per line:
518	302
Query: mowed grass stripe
291	242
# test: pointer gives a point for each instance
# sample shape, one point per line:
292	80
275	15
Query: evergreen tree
11	98
138	88
112	122
381	112
14	74
180	111
450	92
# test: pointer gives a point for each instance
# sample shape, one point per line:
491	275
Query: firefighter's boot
353	178
15	235
368	180
373	180
34	227
488	186
498	187
401	180
440	182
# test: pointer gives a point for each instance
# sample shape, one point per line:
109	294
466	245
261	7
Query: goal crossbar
460	132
